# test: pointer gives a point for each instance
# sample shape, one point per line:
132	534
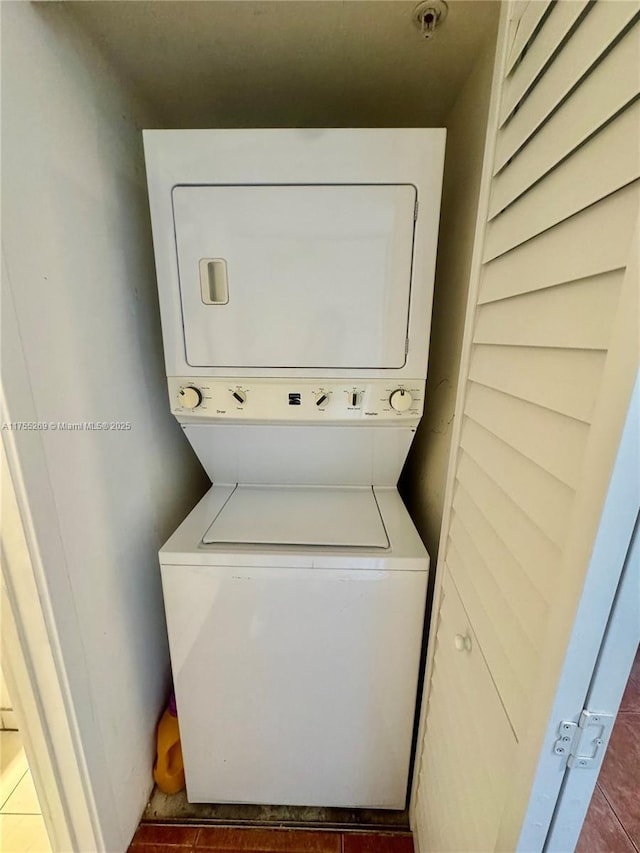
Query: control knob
239	396
400	400
190	397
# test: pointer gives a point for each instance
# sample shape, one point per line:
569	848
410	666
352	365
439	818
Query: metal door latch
584	743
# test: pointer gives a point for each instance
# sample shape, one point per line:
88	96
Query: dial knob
190	397
322	399
400	400
239	396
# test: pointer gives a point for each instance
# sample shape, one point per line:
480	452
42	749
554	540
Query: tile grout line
21	814
3	809
12	792
615	815
632	709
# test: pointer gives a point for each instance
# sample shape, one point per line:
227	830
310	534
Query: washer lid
299	515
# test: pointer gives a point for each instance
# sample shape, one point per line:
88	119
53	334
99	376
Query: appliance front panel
297	276
195	399
295	686
314	455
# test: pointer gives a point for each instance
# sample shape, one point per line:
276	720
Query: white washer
296	666
295	274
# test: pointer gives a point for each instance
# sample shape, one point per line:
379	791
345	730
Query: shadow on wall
424	476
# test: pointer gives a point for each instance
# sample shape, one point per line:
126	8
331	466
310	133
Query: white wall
424	476
81	282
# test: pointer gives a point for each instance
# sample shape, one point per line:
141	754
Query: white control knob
322	399
400	400
239	396
190	398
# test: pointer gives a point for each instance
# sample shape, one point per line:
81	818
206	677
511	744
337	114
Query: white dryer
295	273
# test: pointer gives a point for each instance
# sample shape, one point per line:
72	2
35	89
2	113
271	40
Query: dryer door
295	276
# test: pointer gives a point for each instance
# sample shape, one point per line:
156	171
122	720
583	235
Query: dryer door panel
295	276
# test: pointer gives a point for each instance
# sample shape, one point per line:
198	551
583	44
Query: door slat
556	28
589	44
530	548
516	588
546	500
577	315
531	16
565	191
596	240
613	85
563	380
526	427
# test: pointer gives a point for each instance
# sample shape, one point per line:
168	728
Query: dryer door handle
214	286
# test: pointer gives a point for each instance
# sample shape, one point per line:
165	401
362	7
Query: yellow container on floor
168	771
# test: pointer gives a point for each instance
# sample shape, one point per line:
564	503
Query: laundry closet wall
424	476
81	342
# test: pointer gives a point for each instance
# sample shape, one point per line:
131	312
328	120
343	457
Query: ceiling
301	63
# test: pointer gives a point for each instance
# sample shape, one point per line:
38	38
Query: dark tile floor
613	820
165	838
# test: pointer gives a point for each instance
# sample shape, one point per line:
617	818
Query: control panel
297	401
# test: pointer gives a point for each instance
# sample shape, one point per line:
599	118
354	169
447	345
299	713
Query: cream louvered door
549	359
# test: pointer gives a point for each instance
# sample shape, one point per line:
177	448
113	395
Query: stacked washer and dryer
295	272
